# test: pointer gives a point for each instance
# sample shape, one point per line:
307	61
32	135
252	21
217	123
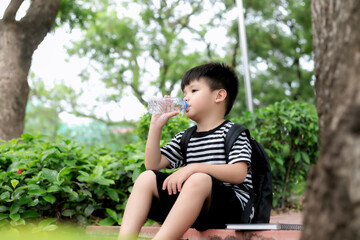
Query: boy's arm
153	158
231	173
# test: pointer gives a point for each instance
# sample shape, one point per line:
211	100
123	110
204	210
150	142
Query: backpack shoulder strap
232	135
185	138
230	139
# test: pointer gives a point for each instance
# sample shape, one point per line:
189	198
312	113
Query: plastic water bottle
165	105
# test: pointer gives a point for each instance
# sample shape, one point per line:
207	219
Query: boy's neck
209	124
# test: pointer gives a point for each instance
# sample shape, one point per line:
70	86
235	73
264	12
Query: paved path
289	218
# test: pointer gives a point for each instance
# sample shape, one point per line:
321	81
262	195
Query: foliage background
144	47
84	173
44	178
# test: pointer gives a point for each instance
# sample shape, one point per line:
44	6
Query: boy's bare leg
196	190
138	205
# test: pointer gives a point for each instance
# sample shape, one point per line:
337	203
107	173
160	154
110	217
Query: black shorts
225	207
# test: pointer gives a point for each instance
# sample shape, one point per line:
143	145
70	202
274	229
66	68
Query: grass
61	233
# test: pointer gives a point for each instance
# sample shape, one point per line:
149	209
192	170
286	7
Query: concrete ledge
213	234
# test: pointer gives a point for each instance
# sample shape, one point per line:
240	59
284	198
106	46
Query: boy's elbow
239	179
241	172
149	166
152	166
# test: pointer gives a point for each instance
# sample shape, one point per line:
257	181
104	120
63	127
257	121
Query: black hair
217	76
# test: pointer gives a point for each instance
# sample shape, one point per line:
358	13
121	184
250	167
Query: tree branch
94	117
138	94
12	9
37	22
43	11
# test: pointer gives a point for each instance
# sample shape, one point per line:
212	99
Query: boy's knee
148	174
199	181
147	177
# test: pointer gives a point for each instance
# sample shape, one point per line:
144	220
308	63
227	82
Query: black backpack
262	194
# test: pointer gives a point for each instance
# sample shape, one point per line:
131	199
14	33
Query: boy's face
200	99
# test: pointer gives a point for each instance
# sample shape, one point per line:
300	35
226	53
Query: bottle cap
185	105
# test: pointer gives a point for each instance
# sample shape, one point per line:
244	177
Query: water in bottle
166	105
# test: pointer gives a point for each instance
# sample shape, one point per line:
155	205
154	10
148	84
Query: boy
210	190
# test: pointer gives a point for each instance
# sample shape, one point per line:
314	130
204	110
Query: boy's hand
174	182
160	120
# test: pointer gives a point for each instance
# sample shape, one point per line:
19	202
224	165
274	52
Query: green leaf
34	203
5	196
65	171
103	181
3	216
27	137
49	228
86	192
112	213
113	195
3	208
44	155
279	160
61	147
46	222
50	175
53	188
70	191
306	158
7	188
98	170
68	213
18	194
30	214
38	191
25	200
15	216
107	222
14	183
14	208
82	220
89	210
297	157
49	198
17	222
84	177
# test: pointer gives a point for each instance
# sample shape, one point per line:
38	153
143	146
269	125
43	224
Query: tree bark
332	204
18	41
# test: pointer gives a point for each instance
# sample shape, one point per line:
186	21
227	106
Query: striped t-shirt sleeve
172	151
241	150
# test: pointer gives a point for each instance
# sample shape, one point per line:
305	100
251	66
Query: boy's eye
194	90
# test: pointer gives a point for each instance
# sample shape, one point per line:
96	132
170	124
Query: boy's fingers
173	187
165	184
172	114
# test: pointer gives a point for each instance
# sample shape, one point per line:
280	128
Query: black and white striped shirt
208	148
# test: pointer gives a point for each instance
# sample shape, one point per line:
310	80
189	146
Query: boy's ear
221	95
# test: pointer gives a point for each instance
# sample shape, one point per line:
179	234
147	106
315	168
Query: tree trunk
332	204
18	41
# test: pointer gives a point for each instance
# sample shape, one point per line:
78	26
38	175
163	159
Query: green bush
173	126
60	179
289	133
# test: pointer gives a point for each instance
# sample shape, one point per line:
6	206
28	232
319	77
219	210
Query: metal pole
243	47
